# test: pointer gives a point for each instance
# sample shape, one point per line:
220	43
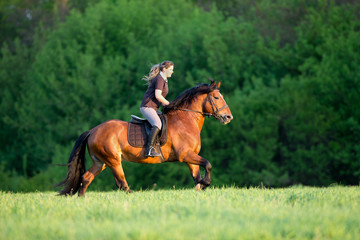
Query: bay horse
108	145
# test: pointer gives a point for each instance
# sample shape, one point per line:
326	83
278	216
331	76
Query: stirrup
150	152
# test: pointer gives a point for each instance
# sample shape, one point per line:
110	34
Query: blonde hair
155	70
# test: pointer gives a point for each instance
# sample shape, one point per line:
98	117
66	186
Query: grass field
217	213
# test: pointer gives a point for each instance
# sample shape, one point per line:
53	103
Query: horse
108	145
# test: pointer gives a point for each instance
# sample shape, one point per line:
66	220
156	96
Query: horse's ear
218	85
213	82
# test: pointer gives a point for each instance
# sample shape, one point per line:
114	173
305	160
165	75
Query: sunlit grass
217	213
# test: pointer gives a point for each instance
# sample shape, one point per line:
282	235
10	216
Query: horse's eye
216	98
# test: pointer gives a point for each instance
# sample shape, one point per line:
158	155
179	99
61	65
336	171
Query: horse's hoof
198	187
205	183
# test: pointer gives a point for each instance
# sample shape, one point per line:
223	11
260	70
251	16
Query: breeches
151	115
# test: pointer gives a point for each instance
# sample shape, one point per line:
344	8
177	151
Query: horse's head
203	99
215	104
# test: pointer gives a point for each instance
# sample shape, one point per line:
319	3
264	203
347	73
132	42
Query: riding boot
150	150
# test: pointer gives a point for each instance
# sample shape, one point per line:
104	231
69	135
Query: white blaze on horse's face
223	113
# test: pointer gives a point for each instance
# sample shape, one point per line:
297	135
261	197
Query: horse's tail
76	167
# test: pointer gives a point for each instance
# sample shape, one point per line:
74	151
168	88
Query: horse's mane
188	96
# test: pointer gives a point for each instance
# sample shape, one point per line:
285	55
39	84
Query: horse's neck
196	119
190	117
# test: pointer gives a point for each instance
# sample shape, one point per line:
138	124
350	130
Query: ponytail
155	70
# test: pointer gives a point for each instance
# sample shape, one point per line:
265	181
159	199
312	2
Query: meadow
218	213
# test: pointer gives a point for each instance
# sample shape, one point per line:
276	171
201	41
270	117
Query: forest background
289	70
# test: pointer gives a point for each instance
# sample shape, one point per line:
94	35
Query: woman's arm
160	97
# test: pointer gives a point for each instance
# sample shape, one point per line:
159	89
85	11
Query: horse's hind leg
89	176
119	176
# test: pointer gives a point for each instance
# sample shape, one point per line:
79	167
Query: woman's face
168	71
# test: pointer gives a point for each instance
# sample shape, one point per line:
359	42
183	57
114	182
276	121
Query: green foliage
289	70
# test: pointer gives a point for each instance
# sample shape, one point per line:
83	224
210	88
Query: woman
153	98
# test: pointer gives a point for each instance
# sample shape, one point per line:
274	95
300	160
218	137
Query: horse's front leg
192	158
195	173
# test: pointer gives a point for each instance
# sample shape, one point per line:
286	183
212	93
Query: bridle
214	108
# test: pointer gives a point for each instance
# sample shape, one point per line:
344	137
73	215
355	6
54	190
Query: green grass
217	213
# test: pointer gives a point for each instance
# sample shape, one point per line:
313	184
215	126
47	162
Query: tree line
289	73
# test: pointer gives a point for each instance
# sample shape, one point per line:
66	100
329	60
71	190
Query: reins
215	111
189	110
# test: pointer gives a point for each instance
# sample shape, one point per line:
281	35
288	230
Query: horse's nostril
226	118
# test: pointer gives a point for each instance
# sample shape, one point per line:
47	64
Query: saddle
140	128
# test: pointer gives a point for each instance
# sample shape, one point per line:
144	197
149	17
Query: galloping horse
108	145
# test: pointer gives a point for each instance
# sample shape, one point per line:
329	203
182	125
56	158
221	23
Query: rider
153	98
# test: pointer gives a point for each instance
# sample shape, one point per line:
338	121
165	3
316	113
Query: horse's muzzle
225	118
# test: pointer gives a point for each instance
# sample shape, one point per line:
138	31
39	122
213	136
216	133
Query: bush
291	80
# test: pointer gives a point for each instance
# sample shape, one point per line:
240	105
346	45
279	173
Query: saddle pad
137	135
